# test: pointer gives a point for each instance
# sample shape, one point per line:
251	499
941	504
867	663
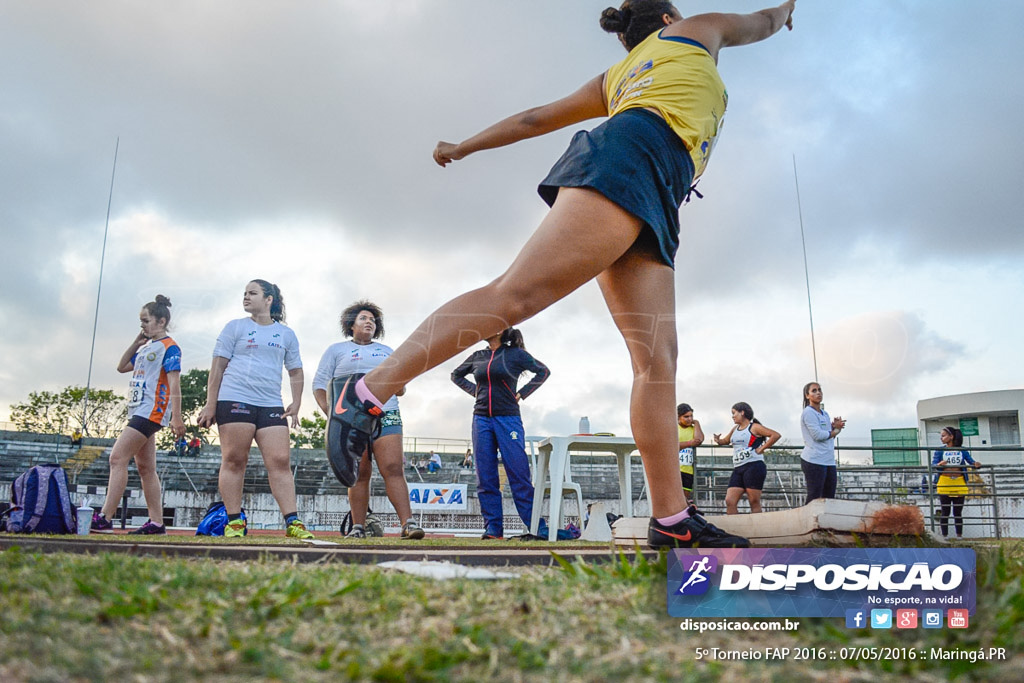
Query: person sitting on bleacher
434	464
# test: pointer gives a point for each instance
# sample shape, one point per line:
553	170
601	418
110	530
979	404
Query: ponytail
513	338
277	305
636	20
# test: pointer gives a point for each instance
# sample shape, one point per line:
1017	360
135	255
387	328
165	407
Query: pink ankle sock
363	394
674	519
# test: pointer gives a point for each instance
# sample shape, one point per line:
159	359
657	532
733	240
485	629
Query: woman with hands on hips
749	440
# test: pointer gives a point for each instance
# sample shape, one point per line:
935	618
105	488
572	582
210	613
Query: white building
988	419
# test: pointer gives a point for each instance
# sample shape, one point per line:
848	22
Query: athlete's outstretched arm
715	31
586	103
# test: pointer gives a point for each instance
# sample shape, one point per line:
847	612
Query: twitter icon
881	618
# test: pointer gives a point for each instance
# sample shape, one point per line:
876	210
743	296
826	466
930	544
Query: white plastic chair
569	486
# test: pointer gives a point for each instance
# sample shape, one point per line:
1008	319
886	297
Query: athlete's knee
390	470
119	458
365	472
517	300
234	461
652	349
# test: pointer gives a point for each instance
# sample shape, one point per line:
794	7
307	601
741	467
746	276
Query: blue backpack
41	504
214	521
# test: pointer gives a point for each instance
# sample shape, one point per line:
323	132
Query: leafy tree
309	433
61	412
193	398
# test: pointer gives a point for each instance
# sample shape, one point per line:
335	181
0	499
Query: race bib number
740	457
686	457
954	459
135	391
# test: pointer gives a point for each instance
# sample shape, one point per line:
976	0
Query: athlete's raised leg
583	234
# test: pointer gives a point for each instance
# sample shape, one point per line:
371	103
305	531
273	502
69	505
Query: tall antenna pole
807	277
99	290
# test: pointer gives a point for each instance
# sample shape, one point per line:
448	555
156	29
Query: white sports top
348	358
255	355
743	444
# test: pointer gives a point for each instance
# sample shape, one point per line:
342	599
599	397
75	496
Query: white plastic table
553	457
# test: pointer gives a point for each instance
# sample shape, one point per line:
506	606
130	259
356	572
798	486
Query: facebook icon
855	618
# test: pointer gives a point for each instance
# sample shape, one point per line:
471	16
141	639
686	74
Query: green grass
386	541
114	617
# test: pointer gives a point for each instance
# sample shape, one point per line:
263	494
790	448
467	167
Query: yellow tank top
678	78
685	455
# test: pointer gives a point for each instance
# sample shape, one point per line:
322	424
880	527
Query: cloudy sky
292	142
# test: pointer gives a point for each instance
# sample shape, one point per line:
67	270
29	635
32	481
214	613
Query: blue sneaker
350	429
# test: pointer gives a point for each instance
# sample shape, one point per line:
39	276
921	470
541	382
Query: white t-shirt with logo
349	358
255	356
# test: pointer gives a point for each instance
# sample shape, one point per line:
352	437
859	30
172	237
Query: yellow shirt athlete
676	77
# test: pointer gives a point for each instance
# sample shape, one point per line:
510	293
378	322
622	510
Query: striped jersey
149	393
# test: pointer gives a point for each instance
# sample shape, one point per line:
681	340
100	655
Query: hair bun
162	300
614	20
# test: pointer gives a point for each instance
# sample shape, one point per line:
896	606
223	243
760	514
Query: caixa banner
429	497
817	582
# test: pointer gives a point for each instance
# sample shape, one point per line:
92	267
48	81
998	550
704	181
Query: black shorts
687	478
749	475
637	161
145	427
231	411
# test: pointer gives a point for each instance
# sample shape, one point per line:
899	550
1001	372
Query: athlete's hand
446	152
207	416
791	5
177	426
292	411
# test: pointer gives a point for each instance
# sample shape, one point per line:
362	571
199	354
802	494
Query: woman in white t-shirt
818	459
243	397
363	323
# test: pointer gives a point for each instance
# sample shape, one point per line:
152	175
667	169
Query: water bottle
584	425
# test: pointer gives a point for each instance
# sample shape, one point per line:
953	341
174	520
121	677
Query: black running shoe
692	532
150	528
350	428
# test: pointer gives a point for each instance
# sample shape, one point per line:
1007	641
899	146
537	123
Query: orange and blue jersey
149	392
678	78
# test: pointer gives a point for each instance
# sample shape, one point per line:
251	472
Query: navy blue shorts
145	427
635	160
749	475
